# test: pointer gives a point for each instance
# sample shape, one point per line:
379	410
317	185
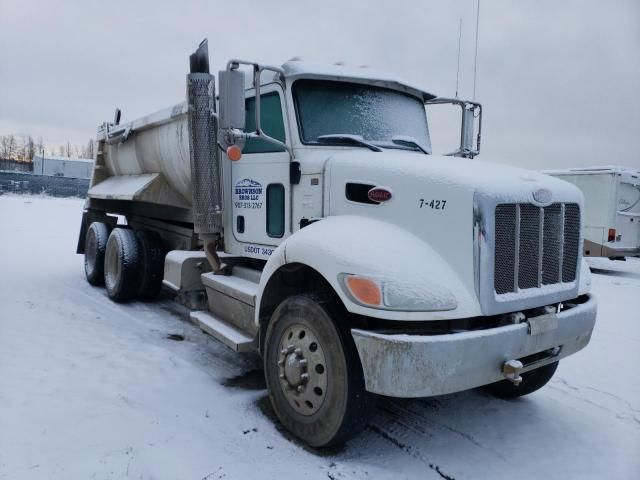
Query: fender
364	246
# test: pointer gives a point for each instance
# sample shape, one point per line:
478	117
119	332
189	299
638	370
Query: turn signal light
234	153
612	235
365	290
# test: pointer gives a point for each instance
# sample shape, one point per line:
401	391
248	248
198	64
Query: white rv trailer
612	209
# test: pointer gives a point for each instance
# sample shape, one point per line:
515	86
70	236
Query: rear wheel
313	372
531	381
95	246
151	264
122	265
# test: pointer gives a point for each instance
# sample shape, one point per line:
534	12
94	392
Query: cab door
260	185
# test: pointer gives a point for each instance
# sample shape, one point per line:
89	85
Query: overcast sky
559	81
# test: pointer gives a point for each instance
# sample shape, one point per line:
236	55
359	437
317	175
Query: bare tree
31	148
40	146
4	147
12	147
22	149
90	149
61	151
68	150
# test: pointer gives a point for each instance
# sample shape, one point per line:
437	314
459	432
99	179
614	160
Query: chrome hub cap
302	369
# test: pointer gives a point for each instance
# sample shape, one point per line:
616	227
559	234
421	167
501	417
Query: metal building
62	166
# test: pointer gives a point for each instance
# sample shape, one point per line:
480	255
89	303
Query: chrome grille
529	248
535	246
505	258
552	235
571	244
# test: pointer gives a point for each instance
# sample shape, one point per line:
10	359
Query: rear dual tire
130	264
95	246
122	265
151	264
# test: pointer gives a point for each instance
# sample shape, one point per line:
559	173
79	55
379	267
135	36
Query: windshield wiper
410	141
341	138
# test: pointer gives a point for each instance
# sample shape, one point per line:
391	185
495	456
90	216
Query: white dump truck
611	209
302	215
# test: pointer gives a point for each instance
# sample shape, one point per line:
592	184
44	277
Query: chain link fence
15	166
16	182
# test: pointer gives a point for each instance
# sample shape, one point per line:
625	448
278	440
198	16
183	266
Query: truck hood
436	198
455	172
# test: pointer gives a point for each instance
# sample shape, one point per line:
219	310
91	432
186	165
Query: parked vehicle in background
612	209
305	218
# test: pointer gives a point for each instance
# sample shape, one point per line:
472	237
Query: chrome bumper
399	365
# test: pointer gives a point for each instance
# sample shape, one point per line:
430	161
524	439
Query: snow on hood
498	180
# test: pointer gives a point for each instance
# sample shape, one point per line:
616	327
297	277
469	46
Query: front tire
531	381
313	372
122	265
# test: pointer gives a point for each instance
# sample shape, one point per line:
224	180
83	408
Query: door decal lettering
247	194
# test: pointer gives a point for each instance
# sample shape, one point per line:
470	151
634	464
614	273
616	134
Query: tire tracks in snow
410	449
418	418
410	425
576	393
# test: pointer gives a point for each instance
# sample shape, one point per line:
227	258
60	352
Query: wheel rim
302	369
111	265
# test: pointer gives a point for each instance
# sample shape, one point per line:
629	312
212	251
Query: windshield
377	114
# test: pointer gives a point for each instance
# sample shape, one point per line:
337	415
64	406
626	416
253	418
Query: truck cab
276	189
303	214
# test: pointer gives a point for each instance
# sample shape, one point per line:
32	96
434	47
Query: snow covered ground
91	389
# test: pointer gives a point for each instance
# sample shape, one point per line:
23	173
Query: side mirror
470	111
231	99
458	125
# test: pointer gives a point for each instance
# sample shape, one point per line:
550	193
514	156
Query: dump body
155	144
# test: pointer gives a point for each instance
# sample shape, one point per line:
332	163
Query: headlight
393	295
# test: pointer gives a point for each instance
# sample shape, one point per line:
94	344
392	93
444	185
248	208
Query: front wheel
531	381
313	372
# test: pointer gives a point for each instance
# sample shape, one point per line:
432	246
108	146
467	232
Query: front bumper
400	365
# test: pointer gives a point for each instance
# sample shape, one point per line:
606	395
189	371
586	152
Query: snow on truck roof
338	72
294	69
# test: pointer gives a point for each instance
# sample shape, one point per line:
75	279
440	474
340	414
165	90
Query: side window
270	120
275	210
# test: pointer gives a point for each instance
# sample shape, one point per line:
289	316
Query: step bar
223	331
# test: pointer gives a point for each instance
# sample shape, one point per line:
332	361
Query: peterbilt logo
379	194
543	196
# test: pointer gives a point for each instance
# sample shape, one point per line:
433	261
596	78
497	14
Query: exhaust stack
204	154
